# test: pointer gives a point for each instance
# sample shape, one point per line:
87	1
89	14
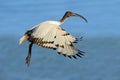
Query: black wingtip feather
70	57
64	55
54	48
79	55
81	52
59	52
74	57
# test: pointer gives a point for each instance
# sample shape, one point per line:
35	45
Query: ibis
50	34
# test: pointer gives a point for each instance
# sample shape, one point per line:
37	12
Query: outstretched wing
54	37
64	42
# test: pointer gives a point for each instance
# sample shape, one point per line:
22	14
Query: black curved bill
75	14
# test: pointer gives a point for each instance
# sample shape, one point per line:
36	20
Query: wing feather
54	37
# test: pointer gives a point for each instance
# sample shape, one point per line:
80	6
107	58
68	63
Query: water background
101	40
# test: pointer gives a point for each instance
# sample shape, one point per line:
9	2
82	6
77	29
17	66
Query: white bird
49	34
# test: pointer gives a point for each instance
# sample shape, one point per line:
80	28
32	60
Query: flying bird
50	34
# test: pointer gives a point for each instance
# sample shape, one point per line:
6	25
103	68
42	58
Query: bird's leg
29	54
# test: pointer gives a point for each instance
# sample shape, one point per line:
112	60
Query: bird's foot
28	60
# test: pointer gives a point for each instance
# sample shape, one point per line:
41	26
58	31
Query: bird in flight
50	34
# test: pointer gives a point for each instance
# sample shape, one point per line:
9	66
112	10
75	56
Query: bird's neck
64	18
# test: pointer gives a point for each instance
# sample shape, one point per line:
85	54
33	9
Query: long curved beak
69	14
78	15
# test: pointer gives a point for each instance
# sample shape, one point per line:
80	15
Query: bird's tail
23	39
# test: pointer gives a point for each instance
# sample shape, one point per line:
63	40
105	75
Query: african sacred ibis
49	34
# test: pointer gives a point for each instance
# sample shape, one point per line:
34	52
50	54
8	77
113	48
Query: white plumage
49	34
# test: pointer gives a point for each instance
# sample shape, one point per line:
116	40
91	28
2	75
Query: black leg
29	54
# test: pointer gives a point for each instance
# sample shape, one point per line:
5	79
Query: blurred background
101	40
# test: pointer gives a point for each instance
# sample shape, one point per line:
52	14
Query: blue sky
103	15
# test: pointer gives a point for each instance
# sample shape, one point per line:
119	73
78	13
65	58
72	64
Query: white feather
23	39
50	31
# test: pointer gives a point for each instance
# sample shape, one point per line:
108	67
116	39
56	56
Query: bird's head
69	14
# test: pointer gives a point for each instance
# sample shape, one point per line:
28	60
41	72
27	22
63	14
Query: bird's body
49	34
